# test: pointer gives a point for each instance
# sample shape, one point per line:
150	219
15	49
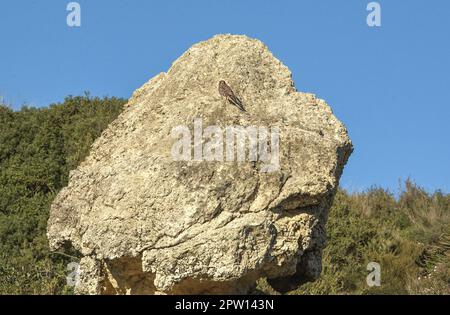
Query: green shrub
38	148
409	237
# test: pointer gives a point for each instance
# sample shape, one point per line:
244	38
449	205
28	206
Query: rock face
149	221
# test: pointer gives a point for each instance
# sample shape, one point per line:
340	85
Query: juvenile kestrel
227	92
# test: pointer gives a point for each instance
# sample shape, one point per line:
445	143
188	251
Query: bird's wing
236	102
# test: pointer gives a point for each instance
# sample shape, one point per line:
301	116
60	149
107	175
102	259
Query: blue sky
389	85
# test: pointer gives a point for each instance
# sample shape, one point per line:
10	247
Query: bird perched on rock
227	92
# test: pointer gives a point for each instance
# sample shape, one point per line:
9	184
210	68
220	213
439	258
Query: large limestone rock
147	223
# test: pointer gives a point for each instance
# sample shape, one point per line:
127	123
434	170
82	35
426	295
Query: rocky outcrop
152	214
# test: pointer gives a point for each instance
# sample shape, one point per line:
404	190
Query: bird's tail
237	102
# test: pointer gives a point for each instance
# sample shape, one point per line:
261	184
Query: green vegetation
38	148
408	236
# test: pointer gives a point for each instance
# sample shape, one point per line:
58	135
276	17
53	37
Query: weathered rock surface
149	224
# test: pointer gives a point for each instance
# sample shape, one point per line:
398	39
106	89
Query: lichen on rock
147	223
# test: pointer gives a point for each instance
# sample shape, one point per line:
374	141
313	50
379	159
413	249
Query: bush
409	237
38	148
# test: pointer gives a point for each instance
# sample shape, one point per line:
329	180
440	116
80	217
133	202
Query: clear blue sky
390	86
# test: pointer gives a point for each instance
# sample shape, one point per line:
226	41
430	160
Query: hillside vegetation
408	236
38	148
